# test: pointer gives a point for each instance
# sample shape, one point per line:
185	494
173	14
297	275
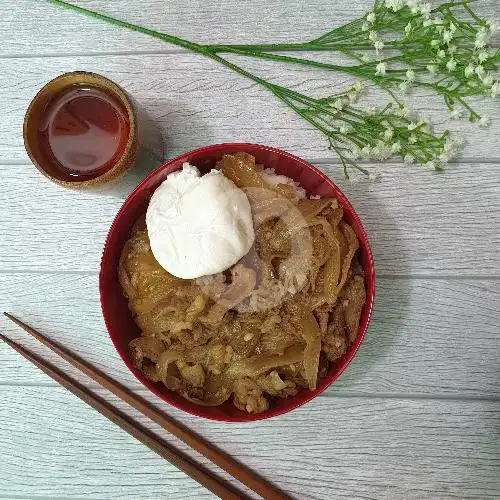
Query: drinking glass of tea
83	131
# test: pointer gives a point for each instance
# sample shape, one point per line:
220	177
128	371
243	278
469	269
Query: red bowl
118	319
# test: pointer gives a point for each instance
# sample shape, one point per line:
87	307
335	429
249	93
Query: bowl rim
367	266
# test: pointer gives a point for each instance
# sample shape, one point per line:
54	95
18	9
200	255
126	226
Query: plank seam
331	395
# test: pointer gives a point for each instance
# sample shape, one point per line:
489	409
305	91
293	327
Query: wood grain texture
200	21
419	223
367	448
209	21
197	102
414	416
427	337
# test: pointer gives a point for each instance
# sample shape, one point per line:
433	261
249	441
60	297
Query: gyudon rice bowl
269	327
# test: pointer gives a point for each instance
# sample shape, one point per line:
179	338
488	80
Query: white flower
446	156
365	27
441	54
352	97
344	129
492	26
412	139
484	122
412	126
456	114
382	151
366	153
388	133
435	43
403	112
358	86
488	81
366	58
447	36
482	56
338	104
381	68
396	147
395	5
495	89
425	10
431	68
408	28
452	27
403	86
480	43
469	70
372	36
451	65
428	22
379	45
425	126
451	148
410	75
431	164
371	17
452	49
408	159
453	144
480	71
413	5
482	37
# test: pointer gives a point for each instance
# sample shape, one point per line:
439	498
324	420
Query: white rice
273	178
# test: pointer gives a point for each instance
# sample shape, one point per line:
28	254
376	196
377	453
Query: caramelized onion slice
243	283
353	243
240	168
308	327
141	348
258	365
166	358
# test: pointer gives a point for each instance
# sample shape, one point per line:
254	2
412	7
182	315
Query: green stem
319	113
180	42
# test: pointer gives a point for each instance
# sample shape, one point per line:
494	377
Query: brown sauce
83	132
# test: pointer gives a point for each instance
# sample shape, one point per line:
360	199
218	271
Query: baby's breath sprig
403	44
377	134
352	132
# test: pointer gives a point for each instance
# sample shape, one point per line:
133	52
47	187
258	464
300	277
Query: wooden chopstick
224	461
139	432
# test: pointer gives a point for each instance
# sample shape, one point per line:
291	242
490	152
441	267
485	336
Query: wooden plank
197	102
427	336
368	448
419	223
39	27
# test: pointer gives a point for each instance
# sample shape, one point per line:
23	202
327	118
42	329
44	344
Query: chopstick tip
12	318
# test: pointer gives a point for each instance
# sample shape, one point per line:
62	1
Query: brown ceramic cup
143	142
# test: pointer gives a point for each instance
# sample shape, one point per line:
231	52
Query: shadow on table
392	294
162	123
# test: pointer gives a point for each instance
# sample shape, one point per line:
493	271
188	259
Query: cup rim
347	358
127	158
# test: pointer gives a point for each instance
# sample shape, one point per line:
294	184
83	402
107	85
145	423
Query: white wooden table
416	415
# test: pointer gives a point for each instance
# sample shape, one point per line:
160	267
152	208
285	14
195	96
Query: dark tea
82	132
